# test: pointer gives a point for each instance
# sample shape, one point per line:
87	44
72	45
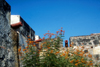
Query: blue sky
77	17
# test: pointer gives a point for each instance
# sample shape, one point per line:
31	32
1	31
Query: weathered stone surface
99	37
96	50
23	32
15	46
96	42
11	39
6	49
8	43
86	40
5	10
91	45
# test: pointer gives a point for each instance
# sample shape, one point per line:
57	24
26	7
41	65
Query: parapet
90	40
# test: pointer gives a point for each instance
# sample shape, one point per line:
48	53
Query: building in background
37	37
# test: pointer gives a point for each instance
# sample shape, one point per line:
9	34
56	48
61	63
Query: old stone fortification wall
91	40
14	32
12	35
8	38
91	44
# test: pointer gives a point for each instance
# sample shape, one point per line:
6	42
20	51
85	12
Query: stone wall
91	44
8	38
91	40
25	29
14	32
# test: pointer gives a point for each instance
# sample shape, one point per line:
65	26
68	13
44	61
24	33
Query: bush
50	55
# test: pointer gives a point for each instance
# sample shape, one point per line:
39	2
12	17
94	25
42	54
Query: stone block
96	42
96	50
99	37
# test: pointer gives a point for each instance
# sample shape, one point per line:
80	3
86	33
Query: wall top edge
80	36
86	35
15	15
4	2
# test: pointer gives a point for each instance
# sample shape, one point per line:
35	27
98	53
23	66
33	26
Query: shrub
50	55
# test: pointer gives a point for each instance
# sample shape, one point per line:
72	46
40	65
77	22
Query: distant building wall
24	31
37	37
91	40
91	44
